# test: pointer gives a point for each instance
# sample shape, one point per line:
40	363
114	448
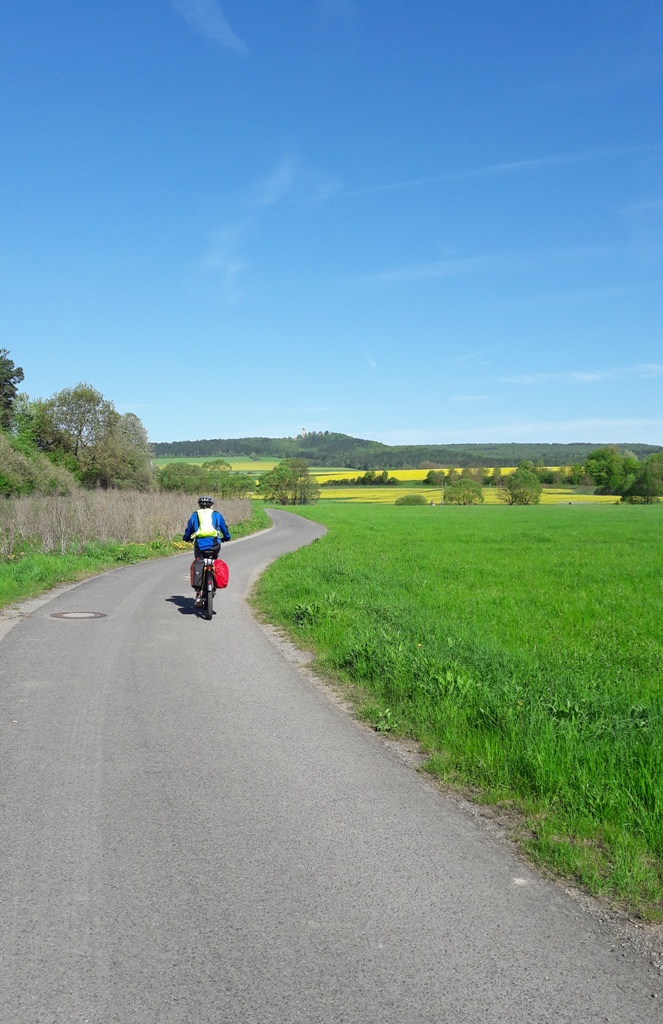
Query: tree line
611	471
77	439
327	448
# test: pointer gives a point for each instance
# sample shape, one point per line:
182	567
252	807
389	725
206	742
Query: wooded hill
331	449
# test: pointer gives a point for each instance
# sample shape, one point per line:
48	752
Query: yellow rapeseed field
405	475
388	495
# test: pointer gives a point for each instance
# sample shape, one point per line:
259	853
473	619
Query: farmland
237	465
410	481
388	495
522	647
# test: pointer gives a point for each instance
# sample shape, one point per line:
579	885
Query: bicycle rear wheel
209	602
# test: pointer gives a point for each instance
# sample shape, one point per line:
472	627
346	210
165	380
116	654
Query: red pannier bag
221	573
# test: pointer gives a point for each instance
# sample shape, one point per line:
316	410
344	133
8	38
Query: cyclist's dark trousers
212	552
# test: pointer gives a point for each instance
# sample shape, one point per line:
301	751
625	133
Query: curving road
193	832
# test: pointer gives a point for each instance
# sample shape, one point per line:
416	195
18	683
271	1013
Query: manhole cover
78	615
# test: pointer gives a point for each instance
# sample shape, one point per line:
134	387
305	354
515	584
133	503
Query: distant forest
330	449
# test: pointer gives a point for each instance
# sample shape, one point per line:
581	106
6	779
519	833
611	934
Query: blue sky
408	220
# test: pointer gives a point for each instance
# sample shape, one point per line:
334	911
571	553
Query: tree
81	429
648	484
612	472
463	492
290	483
10	377
185	477
574	474
522	487
120	456
34	427
81	415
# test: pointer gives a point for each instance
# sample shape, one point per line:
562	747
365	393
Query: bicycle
208	588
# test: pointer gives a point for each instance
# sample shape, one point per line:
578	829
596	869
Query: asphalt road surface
192	831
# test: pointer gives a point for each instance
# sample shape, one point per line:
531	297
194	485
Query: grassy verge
522	647
33	573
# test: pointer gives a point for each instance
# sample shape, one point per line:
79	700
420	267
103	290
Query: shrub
411	499
26	471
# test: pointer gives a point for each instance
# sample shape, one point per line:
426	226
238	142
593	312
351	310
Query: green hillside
331	449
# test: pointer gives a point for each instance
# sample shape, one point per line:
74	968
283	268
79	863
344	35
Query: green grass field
523	646
238	465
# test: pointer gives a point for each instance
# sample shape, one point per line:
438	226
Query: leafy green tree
81	416
574	474
522	487
463	492
648	484
612	472
120	456
434	478
33	425
10	377
185	477
290	483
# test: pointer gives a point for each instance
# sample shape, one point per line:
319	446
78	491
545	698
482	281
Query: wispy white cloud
222	263
276	185
370	360
495	170
642	371
507	262
206	18
292	183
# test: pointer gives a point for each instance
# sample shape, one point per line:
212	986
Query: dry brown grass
68	523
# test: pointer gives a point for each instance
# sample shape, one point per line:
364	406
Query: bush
26	471
411	499
463	492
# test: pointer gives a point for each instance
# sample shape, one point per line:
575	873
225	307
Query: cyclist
207	530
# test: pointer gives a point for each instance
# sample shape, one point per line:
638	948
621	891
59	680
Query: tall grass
67	524
46	541
523	646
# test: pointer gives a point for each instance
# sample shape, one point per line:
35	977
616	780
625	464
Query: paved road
192	832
